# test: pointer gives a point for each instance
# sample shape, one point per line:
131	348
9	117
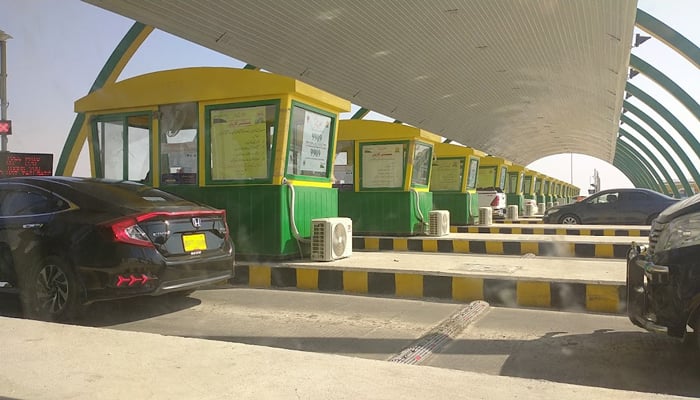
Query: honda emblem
196	222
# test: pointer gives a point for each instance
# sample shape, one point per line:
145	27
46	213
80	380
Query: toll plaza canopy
517	79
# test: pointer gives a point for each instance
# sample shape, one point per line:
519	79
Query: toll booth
492	172
514	187
256	144
548	190
383	173
453	182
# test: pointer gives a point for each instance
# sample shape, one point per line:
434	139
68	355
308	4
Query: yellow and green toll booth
240	140
548	190
383	172
492	172
529	183
515	186
453	182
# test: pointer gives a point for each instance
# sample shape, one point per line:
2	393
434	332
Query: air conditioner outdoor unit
331	238
485	216
439	223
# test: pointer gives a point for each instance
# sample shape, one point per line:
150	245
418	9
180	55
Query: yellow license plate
194	242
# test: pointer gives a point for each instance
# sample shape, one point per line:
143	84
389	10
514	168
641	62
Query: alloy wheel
52	289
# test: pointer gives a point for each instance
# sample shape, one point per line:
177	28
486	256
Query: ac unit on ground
331	238
485	216
439	223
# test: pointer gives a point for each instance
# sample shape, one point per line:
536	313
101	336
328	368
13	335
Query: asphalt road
579	348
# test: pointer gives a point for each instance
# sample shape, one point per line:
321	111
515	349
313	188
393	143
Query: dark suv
663	279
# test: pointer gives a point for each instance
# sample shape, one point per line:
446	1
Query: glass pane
343	170
502	180
473	173
486	178
527	184
421	164
383	165
447	174
178	143
241	142
112	148
139	147
512	183
309	140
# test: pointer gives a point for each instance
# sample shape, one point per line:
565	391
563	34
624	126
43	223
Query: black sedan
612	206
66	242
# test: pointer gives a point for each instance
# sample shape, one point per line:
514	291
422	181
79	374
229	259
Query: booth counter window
241	141
310	138
178	128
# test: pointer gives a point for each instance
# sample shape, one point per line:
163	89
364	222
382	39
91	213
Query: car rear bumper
642	273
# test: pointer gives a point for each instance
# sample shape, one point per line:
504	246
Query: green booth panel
514	199
385	213
463	207
258	216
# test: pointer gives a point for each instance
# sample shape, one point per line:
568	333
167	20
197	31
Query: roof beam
652	157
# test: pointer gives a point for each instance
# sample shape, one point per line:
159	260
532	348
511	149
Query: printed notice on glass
447	175
382	166
314	151
239	143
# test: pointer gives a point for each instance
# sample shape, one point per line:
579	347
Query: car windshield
347	199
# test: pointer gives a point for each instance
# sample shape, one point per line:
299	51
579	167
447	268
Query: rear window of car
125	194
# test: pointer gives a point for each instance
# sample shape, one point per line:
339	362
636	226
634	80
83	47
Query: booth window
383	165
447	175
422	158
538	186
123	144
242	138
527	184
502	181
486	178
344	164
178	143
473	173
512	184
309	142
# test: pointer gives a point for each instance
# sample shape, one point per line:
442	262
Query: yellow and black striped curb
452	245
642	232
518	221
605	298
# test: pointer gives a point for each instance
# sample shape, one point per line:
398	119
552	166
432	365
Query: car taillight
128	231
496	201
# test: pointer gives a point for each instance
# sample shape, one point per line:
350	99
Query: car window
635	196
16	202
605	198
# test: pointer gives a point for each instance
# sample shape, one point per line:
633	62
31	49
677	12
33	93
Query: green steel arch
653	159
660	149
109	73
669	36
665	114
643	176
625	164
666	137
657	182
657	76
360	113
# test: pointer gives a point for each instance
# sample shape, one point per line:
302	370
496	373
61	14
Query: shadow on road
115	312
637	361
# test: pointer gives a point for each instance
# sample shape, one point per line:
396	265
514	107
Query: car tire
569	219
50	291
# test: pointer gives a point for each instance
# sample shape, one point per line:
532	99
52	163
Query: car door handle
30	226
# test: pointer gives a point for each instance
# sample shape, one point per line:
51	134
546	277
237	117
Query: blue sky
58	47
